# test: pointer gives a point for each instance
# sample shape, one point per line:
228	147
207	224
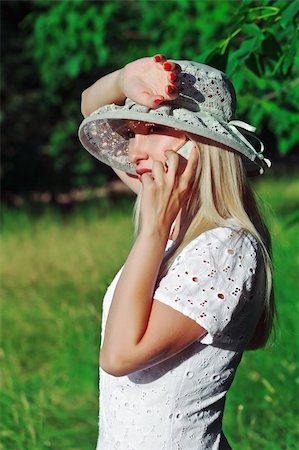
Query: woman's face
149	142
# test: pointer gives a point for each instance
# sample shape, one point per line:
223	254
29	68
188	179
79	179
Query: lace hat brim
104	133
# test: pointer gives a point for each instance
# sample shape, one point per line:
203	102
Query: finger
173	77
154	101
158	171
172	163
191	165
146	179
150	100
169	66
159	58
171	92
175	84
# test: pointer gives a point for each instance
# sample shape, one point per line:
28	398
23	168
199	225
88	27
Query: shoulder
228	251
223	242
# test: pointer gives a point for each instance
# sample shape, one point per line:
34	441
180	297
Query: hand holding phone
184	151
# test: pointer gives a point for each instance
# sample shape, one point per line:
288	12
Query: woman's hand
165	191
150	81
147	81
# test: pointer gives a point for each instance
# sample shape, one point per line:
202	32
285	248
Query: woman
196	288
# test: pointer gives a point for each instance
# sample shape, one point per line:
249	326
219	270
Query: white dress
178	404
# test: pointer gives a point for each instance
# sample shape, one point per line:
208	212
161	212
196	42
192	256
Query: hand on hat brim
172	88
149	82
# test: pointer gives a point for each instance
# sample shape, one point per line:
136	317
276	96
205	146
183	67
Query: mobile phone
185	150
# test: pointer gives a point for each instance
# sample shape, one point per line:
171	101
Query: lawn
55	267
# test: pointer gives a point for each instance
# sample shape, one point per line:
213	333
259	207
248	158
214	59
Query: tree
61	47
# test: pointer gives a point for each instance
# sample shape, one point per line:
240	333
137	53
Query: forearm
132	301
104	91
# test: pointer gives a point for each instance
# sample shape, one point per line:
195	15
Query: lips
142	171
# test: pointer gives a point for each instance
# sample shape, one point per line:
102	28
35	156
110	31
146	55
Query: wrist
154	234
120	84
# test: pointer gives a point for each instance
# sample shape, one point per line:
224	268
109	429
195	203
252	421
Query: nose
137	149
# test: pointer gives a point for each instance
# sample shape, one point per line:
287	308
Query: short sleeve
210	281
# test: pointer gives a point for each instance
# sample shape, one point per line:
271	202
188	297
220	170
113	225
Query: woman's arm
141	331
104	91
147	81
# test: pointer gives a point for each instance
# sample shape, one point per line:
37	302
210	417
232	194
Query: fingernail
170	89
158	101
167	65
157	58
172	76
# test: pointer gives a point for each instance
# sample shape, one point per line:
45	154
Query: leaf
261	13
72	66
289	13
278	64
252	30
288	60
255	64
237	57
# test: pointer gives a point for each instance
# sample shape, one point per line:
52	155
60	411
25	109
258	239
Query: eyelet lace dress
217	280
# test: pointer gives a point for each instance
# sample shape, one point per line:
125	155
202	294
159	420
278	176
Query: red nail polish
158	101
157	58
172	76
170	89
167	66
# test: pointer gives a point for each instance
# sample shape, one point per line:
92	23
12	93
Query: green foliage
62	47
261	56
55	269
68	38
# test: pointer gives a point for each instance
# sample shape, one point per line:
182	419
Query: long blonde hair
221	192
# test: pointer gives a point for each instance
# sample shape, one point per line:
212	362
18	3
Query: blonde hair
221	192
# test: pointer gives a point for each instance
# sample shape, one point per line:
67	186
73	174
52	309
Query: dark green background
53	50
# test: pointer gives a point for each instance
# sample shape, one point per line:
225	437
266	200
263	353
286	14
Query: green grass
55	268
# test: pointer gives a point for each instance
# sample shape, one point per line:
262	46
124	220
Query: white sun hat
204	107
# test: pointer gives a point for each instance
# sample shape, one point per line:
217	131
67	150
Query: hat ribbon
248	129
